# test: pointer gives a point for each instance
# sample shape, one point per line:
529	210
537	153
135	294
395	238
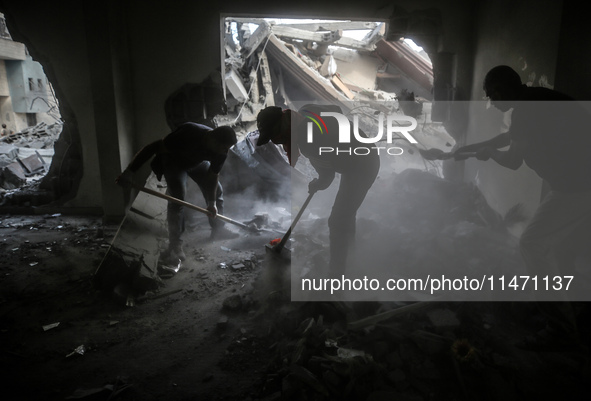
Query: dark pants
549	245
342	221
176	180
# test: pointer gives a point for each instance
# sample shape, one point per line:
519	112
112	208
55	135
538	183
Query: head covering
225	135
501	76
267	119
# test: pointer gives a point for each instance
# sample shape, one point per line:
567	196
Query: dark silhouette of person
548	134
192	150
358	172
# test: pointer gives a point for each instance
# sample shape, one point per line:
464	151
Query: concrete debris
12	176
33	164
280	61
50	326
80	350
27	154
234	84
8	153
132	259
40	136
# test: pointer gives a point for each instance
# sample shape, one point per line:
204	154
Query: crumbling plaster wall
114	63
524	35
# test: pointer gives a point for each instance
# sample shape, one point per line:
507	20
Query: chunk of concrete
234	84
12	176
33	164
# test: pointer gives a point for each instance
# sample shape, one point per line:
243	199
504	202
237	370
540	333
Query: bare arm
125	178
511	158
498	142
144	155
325	177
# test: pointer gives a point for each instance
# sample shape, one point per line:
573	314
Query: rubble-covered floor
231	334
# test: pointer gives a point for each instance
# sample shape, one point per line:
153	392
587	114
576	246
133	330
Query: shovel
197	208
438	154
279	247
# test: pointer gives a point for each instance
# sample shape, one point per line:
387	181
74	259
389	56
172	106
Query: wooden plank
341	85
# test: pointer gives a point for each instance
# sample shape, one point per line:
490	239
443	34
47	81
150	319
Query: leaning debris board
131	262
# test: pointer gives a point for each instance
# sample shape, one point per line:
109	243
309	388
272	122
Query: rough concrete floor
169	346
175	345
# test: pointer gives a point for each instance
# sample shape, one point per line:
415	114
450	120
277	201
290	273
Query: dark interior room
116	283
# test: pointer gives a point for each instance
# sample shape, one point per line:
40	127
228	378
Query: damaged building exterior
89	312
30	116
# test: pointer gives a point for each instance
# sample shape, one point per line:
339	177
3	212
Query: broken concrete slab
133	256
407	61
234	84
301	72
8	153
12	176
33	164
254	41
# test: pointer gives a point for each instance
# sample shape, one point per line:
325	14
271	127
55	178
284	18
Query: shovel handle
281	244
189	205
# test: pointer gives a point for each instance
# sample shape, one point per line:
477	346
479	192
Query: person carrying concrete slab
548	135
358	173
192	150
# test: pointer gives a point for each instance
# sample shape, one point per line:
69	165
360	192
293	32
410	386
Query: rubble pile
273	63
40	136
452	220
435	351
419	224
26	155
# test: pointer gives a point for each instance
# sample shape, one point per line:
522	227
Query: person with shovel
195	151
550	137
358	173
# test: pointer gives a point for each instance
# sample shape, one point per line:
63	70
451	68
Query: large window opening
282	62
30	121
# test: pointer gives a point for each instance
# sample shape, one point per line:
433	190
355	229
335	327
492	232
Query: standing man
192	150
358	172
551	139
